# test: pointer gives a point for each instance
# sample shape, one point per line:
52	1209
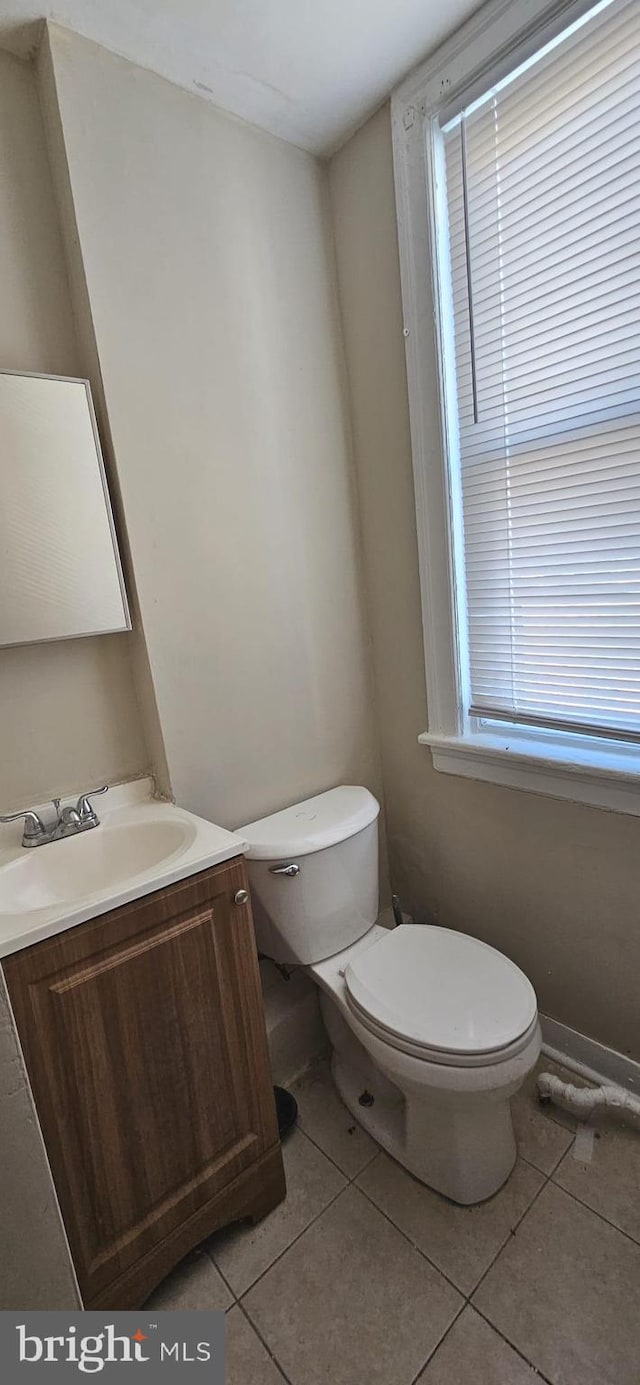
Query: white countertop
141	845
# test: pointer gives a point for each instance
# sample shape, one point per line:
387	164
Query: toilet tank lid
313	825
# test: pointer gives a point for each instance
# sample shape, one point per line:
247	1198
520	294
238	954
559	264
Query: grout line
265	1344
323	1063
254	1282
570	1129
350	1182
545	1173
348	1177
600	1215
550	1178
512	1232
522	1159
562	1158
510	1344
378	1150
243	1224
239	1225
225	1281
438	1344
493	1328
414	1245
467	1299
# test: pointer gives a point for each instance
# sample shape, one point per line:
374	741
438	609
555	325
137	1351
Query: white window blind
543	203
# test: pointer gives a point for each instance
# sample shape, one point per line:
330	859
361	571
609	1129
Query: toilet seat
439	1057
442	996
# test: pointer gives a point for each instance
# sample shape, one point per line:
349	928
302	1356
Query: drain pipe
583	1101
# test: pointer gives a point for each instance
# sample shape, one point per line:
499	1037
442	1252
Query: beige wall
207	255
208	268
553	884
68	712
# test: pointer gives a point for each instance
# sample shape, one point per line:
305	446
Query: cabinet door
144	1039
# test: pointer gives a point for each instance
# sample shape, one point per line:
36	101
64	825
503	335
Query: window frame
585	769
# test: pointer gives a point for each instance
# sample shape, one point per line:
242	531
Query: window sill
602	777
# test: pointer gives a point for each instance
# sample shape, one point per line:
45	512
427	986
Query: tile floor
364	1277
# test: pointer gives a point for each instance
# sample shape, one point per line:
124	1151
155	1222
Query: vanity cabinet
144	1038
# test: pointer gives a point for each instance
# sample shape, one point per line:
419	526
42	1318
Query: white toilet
432	1031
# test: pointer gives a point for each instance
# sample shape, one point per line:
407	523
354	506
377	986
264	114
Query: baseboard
587	1057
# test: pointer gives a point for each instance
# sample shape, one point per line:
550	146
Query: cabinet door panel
143	1034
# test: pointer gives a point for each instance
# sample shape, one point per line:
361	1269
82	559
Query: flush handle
241	897
289	869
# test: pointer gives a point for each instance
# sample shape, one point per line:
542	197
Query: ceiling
309	71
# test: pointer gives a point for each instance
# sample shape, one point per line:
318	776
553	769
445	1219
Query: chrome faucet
69	821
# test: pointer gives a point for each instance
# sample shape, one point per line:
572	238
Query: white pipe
583	1101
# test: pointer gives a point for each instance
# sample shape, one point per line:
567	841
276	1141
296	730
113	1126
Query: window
530	510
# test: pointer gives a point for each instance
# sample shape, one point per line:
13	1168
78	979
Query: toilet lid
442	990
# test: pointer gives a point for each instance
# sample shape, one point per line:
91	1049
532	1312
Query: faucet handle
34	828
84	808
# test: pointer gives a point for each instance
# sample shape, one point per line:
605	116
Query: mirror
60	572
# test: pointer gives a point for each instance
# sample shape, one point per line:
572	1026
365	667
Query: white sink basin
88	864
139	847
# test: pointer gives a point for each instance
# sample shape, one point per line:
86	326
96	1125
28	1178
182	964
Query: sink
88	864
141	845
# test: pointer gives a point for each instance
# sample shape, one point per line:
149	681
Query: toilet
432	1031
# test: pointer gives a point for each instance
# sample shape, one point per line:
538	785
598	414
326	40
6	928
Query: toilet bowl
432	1031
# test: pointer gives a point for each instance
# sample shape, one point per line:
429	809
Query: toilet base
457	1140
436	1149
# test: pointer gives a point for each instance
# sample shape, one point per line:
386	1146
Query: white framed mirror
60	570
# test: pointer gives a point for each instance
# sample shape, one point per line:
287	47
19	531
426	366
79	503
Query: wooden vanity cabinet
144	1037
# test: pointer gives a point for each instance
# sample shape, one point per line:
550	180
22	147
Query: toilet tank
313	870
